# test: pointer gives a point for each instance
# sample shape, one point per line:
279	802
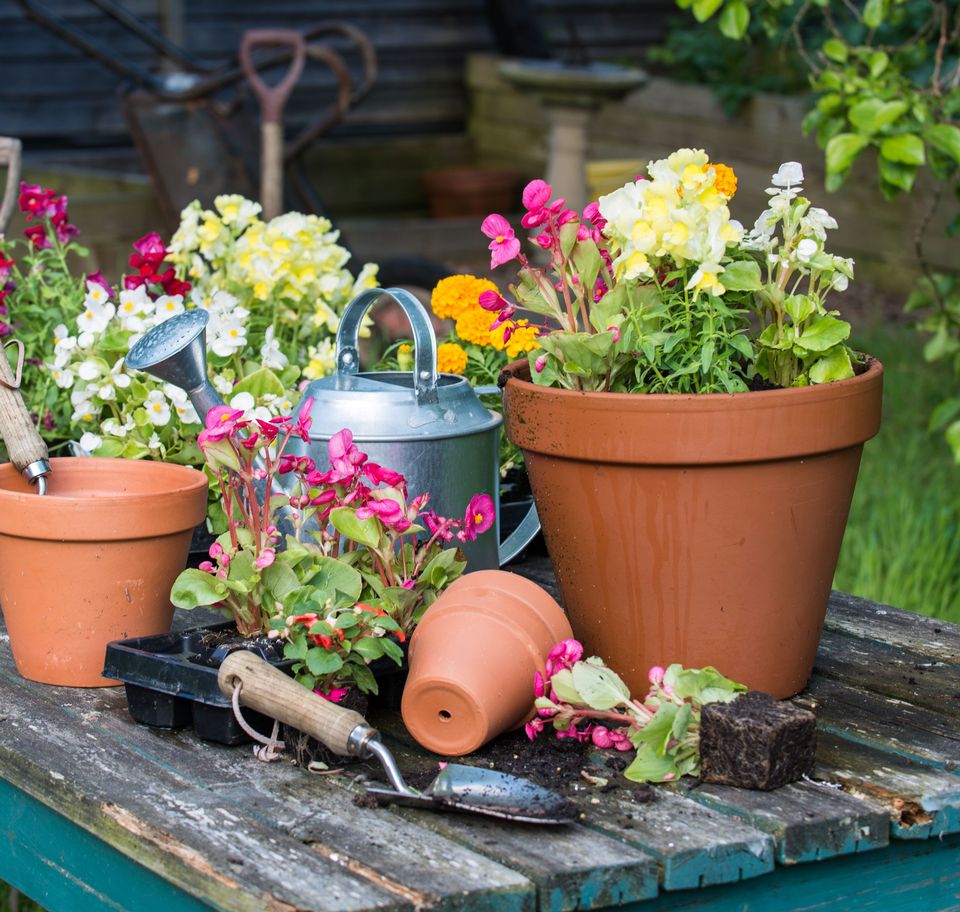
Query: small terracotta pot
700	529
473	658
92	561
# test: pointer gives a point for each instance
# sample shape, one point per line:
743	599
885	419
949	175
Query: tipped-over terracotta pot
92	560
473	658
700	529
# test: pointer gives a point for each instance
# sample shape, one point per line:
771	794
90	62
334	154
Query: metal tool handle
26	448
268	690
424	339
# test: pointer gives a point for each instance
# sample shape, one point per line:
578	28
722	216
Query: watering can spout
176	352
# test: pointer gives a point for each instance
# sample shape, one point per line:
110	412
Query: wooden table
100	813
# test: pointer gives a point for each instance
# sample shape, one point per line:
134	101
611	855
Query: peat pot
92	560
700	529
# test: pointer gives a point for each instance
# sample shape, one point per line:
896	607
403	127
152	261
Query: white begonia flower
89	370
114	428
107	393
96	294
62	338
840	282
133	307
158	409
168	306
270	354
243	401
806	250
85	339
96	317
181	404
61	376
90	442
790	174
817	222
118	375
83	411
222	385
154	442
230	336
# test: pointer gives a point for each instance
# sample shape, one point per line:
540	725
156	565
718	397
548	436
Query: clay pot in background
92	561
473	658
453	192
700	529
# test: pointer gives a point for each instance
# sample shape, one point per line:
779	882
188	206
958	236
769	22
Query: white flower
222	385
89	369
90	442
85	339
63	342
118	375
181	404
107	393
817	221
61	376
806	250
788	175
114	428
236	209
83	410
158	409
270	354
96	317
96	294
168	306
134	306
154	441
243	401
840	282
230	336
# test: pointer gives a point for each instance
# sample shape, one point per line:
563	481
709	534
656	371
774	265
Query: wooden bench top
101	813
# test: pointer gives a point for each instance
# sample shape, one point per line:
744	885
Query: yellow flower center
478	518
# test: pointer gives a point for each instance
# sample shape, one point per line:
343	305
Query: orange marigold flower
725	181
473	325
455	294
451	359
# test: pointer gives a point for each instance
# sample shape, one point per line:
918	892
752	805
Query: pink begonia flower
492	300
268	429
545	240
437	525
616	332
655	674
533	728
409	584
540	363
388	511
265	558
335	694
479	517
539	684
324	497
504	246
380	475
258	473
564	655
206	566
304	420
607	739
536	195
216	550
580	735
250	441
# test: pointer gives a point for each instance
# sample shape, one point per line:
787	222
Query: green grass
902	544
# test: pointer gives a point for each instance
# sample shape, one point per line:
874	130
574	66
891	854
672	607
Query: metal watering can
430	427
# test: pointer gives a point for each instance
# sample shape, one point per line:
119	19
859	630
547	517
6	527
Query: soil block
756	742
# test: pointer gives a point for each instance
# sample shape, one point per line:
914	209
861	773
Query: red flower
34	200
37	235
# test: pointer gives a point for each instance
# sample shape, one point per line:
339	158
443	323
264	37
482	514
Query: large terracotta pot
92	561
702	529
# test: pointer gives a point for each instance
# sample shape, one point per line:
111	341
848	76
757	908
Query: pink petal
495	226
536	194
503	253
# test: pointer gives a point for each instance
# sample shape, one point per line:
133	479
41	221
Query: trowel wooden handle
268	690
24	444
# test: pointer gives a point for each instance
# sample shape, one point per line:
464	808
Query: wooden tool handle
9	156
24	444
268	690
273	98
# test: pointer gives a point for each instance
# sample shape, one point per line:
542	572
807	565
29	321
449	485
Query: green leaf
742	275
872	114
734	20
320	662
704	9
681	721
369	647
906	148
953	439
600	687
647	766
332	575
939	345
706	356
878	62
194	588
835	365
564	688
568	237
824	333
873	13
897	175
842	150
945	138
364	531
658	731
260	383
799	307
836	50
944	413
587	262
693	683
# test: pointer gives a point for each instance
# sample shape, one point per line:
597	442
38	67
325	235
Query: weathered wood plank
808	821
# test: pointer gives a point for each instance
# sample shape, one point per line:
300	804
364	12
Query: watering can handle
424	338
529	526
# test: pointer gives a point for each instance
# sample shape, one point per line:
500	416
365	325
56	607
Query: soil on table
216	645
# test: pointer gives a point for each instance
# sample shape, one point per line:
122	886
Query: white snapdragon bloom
168	306
90	442
270	354
237	211
158	409
229	336
96	317
789	175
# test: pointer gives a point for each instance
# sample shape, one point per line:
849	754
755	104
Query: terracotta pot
473	657
453	192
92	561
703	529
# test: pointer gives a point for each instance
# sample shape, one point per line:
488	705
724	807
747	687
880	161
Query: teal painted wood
65	869
906	877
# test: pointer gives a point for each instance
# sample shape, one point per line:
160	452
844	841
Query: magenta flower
611	739
437	525
655	674
479	516
533	728
265	558
540	363
380	475
616	332
536	195
5	329
539	684
150	253
564	655
37	235
580	735
304	420
35	201
504	246
216	551
387	510
220	422
98	279
491	300
335	694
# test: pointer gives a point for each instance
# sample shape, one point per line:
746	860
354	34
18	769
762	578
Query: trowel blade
475	790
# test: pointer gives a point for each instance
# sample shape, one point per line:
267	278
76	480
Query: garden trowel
457	787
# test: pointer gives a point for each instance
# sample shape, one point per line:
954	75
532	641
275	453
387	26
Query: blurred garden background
741	83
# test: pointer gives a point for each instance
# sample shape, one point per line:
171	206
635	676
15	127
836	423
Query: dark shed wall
50	93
